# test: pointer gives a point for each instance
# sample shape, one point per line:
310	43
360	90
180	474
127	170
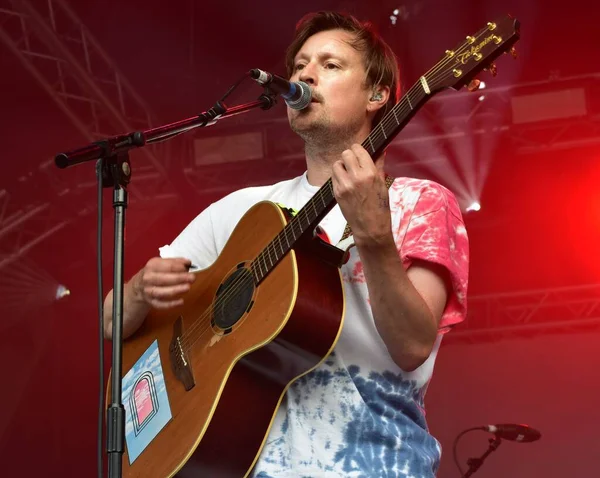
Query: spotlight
482	97
475	206
482	85
62	291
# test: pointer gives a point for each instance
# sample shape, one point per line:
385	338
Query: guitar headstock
477	53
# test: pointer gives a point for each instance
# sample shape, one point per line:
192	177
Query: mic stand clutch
114	170
475	463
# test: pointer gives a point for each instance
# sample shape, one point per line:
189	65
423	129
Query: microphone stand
114	170
475	463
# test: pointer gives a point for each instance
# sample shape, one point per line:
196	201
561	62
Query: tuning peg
492	69
473	85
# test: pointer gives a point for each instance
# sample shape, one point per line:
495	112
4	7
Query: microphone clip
268	98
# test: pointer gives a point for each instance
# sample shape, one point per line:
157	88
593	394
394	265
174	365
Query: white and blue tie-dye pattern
357	414
338	422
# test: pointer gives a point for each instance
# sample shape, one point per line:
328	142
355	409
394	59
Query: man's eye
299	67
330	66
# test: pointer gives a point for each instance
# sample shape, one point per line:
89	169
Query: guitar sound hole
233	298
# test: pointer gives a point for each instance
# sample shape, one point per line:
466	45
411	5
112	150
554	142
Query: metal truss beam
527	313
489	111
58	50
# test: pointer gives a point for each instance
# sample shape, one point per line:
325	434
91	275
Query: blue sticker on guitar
146	402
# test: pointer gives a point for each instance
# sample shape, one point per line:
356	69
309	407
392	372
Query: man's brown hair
381	65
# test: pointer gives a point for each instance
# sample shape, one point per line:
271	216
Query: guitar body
236	380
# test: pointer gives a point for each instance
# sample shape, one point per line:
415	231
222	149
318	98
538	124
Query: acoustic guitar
202	382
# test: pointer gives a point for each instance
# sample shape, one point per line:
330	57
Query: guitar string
389	120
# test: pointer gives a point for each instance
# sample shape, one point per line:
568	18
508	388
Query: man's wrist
137	290
375	242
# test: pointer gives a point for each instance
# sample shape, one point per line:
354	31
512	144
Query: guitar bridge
180	363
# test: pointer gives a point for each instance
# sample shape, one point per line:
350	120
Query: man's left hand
360	190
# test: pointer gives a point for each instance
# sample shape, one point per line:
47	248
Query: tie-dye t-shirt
357	414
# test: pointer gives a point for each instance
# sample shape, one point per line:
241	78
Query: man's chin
305	119
304	127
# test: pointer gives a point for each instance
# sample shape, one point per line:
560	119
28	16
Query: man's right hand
161	281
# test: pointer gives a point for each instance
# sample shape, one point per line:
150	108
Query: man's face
335	72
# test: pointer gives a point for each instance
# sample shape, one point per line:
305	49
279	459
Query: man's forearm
134	310
403	319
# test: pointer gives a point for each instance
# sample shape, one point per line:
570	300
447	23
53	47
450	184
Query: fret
323	200
305	216
259	273
383	130
395	117
371	141
290	226
409	103
280	244
314	207
298	224
262	274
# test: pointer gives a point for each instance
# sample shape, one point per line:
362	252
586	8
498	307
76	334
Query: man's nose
308	75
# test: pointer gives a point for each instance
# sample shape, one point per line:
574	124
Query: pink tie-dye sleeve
431	229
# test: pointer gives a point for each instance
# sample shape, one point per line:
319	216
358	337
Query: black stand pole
115	171
475	463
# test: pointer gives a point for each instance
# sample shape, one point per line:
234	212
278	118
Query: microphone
296	94
510	431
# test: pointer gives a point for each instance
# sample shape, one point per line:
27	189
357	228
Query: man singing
360	413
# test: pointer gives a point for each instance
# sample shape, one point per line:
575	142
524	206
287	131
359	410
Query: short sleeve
432	229
196	242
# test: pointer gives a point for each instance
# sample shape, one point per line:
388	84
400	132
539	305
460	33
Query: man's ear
379	97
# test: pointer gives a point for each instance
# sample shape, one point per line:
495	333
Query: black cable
235	85
101	319
454	448
229	91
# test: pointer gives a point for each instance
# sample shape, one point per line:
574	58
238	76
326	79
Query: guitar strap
347	231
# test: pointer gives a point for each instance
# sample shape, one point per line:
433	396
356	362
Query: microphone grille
304	100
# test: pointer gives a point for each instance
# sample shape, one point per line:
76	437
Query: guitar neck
307	219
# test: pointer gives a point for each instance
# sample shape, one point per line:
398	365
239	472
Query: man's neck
319	164
320	158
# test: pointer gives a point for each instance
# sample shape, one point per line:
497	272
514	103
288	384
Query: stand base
475	463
